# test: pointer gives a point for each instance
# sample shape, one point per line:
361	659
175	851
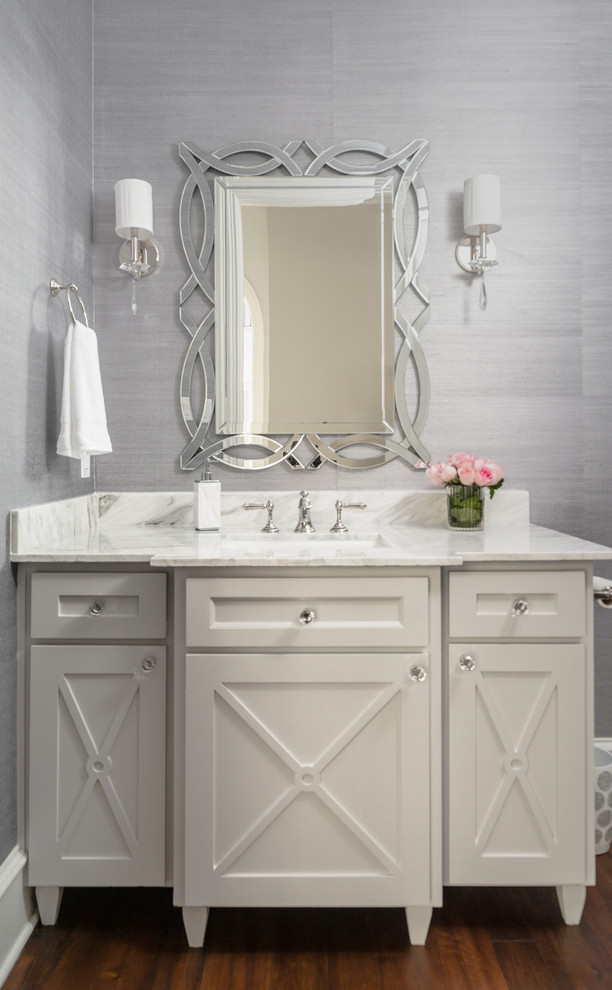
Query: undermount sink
304	542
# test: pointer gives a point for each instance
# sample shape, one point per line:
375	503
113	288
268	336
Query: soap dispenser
207	503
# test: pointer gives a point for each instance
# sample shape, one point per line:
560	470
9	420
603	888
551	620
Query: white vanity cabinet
96	740
311	768
519	736
351	735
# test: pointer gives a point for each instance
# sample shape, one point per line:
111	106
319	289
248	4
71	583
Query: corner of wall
18	914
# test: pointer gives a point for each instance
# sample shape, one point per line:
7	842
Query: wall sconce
476	252
139	254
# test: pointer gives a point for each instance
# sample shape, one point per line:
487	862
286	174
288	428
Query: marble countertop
399	528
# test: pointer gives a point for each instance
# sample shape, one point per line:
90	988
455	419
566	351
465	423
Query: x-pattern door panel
307	780
517	764
97	759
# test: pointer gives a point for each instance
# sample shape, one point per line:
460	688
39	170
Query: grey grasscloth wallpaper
45	192
521	89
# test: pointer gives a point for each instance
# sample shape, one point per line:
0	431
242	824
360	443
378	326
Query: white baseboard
604	744
18	914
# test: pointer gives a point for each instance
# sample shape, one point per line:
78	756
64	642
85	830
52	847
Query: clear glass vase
465	505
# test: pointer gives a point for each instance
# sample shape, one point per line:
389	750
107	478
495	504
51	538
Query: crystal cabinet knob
466	662
148	664
96	608
418	673
520	606
307	616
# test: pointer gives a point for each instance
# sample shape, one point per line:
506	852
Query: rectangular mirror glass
304	330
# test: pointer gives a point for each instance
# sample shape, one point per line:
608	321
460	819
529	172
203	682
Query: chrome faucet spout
304	522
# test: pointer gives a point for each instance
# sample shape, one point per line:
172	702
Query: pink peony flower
448	472
497	472
483	475
465	470
441	473
460	457
487	473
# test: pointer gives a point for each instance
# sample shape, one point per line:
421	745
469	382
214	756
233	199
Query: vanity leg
49	900
194	920
418	919
571	901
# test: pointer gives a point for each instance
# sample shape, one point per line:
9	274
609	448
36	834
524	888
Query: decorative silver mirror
306	304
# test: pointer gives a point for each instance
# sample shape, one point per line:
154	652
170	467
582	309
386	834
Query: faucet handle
270	526
339	526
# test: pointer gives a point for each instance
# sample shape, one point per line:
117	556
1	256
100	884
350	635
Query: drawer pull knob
148	664
96	608
307	616
520	606
466	662
418	673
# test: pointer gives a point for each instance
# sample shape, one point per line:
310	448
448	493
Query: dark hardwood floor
482	939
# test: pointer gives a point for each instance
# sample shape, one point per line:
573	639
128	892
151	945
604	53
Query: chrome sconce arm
138	257
476	252
139	254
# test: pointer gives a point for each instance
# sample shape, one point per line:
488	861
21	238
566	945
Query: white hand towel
83	417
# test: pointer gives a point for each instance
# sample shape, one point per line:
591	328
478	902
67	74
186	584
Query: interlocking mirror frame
197	226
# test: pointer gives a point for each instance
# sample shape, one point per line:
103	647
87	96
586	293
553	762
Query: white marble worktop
398	528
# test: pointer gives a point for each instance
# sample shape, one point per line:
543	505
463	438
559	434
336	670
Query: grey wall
45	192
521	89
494	86
595	247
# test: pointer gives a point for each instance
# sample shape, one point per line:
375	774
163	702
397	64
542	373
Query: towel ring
55	287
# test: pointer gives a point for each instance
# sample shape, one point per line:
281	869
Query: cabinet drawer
98	606
517	604
294	613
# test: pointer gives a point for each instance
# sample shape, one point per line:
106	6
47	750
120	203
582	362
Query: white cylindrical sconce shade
482	205
134	208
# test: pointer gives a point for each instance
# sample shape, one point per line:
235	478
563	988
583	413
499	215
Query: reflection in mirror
304	328
315	345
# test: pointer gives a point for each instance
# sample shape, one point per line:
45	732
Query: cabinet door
97	765
307	780
517	778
